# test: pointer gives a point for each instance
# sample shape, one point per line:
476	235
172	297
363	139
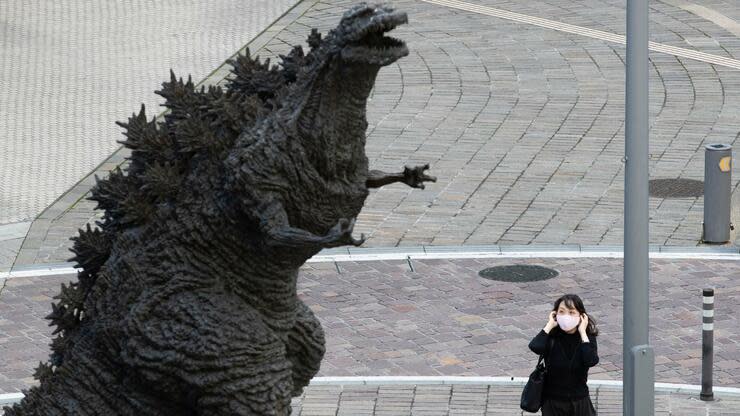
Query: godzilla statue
186	301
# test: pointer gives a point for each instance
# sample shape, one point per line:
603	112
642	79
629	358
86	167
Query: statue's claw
358	241
341	234
415	176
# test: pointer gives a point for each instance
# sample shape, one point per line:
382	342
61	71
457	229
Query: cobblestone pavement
473	400
70	69
523	125
381	319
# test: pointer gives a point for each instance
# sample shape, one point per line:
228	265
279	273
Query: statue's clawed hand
341	234
415	176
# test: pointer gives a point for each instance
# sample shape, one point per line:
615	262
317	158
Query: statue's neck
332	121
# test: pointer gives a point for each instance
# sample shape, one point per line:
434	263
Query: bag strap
548	348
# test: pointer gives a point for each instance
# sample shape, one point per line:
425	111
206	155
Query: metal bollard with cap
717	192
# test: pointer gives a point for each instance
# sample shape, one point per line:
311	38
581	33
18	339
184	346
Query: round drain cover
676	188
518	273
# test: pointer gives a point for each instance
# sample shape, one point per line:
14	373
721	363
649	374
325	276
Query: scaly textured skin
186	303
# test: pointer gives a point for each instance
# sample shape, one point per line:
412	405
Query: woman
568	342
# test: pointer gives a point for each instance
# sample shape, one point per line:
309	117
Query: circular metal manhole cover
518	273
676	188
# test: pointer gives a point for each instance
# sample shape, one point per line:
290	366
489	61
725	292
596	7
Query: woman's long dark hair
575	302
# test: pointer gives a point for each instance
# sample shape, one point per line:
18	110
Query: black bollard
707	345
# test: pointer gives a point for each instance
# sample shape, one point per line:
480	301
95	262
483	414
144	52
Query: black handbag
532	394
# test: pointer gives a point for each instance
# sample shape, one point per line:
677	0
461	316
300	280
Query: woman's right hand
551	321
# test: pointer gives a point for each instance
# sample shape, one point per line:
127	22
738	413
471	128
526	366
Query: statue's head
360	37
354	51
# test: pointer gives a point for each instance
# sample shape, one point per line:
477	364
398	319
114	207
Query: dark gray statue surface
186	303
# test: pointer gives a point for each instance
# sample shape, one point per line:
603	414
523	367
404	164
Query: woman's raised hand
551	321
584	324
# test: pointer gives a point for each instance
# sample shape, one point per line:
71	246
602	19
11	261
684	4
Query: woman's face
563	309
568	318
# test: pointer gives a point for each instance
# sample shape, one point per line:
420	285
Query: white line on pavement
501	381
712	15
436	253
584	31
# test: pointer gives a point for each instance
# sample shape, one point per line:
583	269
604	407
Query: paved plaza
517	106
521	123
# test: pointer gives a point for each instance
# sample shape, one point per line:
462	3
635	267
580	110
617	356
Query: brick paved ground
513	118
476	400
382	319
473	400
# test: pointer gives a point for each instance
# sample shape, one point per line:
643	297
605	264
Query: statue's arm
274	224
411	176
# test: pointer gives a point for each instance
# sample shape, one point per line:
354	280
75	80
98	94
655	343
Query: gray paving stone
70	72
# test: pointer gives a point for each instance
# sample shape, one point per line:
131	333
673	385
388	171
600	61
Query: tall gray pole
638	362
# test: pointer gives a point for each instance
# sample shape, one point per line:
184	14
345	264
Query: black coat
567	363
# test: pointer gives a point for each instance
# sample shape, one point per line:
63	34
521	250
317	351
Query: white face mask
567	322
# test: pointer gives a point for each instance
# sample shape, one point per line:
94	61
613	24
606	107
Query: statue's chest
318	203
319	189
339	194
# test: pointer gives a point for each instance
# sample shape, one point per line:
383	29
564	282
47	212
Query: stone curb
14	230
10	398
39	228
527	252
532	250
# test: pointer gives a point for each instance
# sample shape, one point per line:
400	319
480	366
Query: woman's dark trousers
579	407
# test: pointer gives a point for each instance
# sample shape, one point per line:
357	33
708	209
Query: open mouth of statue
373	46
377	42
